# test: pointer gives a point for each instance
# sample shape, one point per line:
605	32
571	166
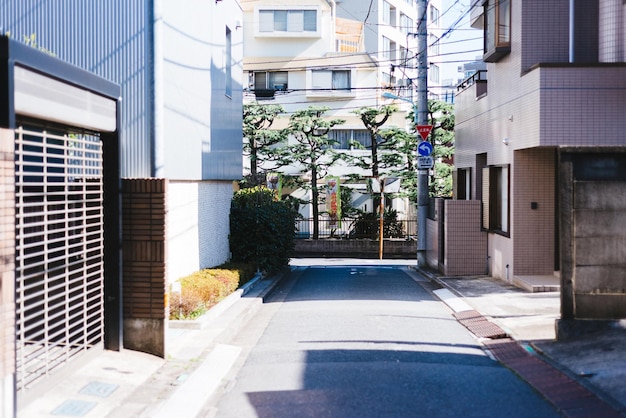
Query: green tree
374	118
259	138
441	116
311	151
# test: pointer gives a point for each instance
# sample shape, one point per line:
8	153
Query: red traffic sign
424	130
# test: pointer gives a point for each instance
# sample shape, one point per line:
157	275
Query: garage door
59	249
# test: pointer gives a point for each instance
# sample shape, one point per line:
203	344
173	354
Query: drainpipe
158	144
333	18
572	7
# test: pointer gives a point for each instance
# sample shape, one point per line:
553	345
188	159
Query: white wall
197	226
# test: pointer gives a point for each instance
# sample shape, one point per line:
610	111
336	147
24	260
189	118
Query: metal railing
353	228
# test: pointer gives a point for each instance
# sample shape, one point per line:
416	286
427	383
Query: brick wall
7	275
144	212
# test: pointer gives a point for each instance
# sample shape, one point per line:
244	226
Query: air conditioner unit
403	82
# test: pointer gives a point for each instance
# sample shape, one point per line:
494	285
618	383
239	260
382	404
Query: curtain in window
266	20
310	21
341	80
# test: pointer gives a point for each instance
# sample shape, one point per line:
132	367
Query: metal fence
353	228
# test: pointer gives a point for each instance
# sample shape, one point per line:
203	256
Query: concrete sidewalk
133	384
597	361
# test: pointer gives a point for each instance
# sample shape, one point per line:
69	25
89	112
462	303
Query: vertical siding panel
107	38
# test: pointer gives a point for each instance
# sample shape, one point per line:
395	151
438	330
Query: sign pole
422	119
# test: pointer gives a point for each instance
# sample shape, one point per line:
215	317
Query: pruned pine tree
259	138
311	151
374	118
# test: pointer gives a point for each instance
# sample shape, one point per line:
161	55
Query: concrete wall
593	234
197	226
355	248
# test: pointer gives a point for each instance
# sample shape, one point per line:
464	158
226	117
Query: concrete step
547	283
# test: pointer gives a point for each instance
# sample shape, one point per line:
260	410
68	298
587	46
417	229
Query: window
331	79
434	73
495	199
389	14
229	64
434	15
433	44
346	137
497	14
275	80
406	24
389	50
463	184
288	21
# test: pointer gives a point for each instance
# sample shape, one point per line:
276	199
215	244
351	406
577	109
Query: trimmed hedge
205	288
262	230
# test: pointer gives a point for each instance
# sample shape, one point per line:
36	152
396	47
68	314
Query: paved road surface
366	342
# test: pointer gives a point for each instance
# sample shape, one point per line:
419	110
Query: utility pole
422	119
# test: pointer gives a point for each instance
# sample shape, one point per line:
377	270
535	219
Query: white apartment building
341	54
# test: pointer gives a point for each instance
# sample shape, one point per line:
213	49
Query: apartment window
434	73
229	64
497	32
348	138
433	44
389	50
495	199
434	15
406	24
389	14
288	21
274	80
331	79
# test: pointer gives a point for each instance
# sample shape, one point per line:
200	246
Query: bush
203	289
368	224
262	230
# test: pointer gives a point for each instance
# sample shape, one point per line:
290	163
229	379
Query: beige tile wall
465	242
534	229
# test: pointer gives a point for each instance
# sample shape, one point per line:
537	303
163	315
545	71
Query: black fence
353	228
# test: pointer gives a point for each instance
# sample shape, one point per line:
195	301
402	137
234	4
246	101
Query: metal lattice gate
59	249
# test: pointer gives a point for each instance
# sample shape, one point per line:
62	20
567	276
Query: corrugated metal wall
109	38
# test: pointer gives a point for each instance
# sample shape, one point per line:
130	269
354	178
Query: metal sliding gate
59	249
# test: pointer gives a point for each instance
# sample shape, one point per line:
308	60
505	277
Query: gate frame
14	53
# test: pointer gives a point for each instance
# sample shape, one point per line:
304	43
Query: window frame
496	199
270	77
496	37
290	24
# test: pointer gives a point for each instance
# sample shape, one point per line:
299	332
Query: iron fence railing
354	228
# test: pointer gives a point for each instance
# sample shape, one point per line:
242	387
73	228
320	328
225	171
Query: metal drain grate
74	408
99	389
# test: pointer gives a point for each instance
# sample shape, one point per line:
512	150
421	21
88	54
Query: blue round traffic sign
424	149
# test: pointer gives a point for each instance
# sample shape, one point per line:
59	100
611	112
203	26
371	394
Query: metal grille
59	249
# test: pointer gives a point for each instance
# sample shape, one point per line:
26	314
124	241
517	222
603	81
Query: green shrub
262	230
203	289
368	224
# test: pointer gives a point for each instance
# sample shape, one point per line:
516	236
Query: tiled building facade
551	82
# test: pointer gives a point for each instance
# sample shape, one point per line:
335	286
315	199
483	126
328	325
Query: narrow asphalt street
365	342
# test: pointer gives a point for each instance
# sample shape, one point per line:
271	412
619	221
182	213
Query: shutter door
59	249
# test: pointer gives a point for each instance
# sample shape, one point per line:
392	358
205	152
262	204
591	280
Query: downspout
333	18
572	7
158	143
